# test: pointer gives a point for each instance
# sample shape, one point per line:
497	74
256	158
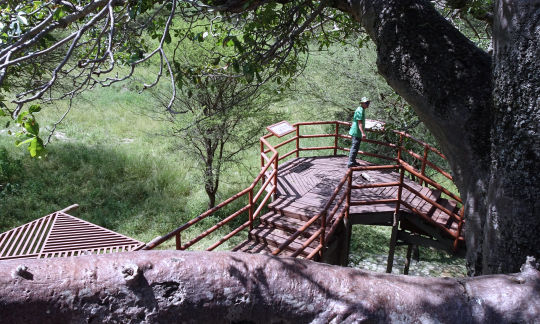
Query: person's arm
361	128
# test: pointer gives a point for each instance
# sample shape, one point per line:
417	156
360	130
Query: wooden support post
408	260
336	138
297	140
455	247
178	242
395	224
344	257
393	240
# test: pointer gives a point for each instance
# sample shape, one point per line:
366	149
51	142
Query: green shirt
358	115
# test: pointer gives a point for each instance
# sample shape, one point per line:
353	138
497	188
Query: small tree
221	117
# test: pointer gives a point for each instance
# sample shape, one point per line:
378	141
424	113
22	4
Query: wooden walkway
305	186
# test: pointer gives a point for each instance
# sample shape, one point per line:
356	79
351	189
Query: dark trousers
354	149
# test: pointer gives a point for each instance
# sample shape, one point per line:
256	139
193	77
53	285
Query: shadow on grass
129	192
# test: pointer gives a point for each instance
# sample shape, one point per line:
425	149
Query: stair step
275	237
254	247
288	224
434	195
281	201
296	210
419	203
443	218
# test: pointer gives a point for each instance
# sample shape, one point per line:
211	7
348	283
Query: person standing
357	132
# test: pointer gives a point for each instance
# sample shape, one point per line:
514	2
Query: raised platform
306	184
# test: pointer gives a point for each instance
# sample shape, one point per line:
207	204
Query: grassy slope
114	163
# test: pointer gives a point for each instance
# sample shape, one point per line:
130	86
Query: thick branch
203	287
443	75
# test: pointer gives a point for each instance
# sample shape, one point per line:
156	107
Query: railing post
336	138
251	202
262	159
297	140
275	180
424	161
400	142
395	224
323	231
178	242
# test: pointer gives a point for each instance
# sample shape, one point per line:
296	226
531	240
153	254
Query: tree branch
217	287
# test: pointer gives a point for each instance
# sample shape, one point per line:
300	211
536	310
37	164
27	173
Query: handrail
269	182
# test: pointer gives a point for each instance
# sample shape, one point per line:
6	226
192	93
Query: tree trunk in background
210	181
449	83
217	287
512	229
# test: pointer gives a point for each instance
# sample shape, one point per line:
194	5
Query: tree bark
215	287
513	219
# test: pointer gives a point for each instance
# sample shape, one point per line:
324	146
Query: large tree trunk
512	229
212	287
449	83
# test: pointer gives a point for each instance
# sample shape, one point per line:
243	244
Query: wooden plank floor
307	184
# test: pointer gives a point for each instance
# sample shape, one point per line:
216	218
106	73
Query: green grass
115	163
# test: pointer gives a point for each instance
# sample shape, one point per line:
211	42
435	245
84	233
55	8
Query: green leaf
59	13
34	108
19	142
22	19
21	117
238	44
2	113
247	69
32	127
36	147
32	148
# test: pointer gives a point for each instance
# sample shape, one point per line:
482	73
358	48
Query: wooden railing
341	197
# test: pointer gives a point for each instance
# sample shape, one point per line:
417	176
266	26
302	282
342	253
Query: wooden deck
305	186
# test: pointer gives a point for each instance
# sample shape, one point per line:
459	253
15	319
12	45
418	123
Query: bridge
304	206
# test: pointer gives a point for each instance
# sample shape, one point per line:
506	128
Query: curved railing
266	181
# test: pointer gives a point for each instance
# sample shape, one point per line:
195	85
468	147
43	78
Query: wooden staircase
417	230
283	220
423	224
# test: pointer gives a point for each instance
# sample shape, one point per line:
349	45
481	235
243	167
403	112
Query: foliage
218	111
56	50
10	171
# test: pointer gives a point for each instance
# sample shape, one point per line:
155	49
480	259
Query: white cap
364	99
